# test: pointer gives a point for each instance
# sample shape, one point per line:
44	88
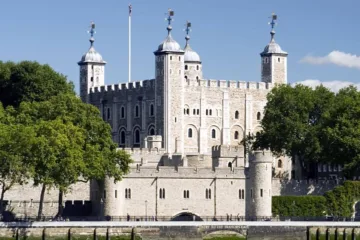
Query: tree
342	131
30	81
96	153
15	167
293	122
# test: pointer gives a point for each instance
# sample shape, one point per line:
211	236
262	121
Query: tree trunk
60	206
2	198
41	201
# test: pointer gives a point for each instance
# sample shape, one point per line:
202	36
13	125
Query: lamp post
146	210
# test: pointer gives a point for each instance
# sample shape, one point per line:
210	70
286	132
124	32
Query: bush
299	206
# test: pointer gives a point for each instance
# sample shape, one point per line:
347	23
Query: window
151	131
197	67
127	193
92	79
236	114
108	113
266	60
210	112
198	111
258	116
122	137
186	77
208	193
324	167
241	194
213	133
236	135
230	164
280	165
261	192
251	195
104	194
187	111
136	111
179	58
115	193
170	57
186	194
207	112
197	78
278	59
92	66
194	111
186	67
151	109
162	193
137	136
122	112
190	133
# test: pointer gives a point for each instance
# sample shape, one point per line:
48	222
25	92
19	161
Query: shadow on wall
303	187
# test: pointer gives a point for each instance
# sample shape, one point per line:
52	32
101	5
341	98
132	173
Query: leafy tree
293	122
15	167
30	81
96	154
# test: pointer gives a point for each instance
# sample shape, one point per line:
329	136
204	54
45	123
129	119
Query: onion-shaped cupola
273	47
169	44
190	54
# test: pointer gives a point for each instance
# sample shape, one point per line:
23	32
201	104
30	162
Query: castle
184	134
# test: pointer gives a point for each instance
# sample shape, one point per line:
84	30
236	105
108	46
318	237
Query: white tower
259	197
273	60
193	66
169	92
92	68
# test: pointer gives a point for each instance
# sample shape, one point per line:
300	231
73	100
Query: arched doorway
186	216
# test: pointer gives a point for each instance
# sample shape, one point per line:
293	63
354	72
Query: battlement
149	83
230	84
144	151
227	151
186	172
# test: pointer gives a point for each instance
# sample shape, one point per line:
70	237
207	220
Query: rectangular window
261	193
251	195
115	193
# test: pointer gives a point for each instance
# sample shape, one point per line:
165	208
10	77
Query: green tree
98	158
30	81
293	122
342	131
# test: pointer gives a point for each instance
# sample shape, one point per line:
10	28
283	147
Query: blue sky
320	36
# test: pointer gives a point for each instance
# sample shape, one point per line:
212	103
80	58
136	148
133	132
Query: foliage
30	81
302	206
341	199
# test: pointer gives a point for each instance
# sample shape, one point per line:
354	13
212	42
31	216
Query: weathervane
273	23
169	19
92	32
187	30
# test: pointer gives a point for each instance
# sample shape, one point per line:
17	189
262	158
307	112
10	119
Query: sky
322	37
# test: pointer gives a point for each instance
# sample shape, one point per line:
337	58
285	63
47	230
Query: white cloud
334	86
335	57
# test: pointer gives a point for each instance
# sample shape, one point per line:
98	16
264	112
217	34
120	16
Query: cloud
334	86
335	57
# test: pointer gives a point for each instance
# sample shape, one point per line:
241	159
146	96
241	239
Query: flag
130	9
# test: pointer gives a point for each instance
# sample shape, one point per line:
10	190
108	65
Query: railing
178	218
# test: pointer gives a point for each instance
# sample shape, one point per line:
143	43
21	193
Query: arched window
187	111
137	136
122	137
236	114
230	164
213	133
236	135
186	67
186	77
258	116
136	111
122	114
108	113
189	133
280	163
151	109
197	78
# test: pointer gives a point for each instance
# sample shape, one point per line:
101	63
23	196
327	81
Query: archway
186	216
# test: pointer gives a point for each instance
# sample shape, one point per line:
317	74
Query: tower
169	91
92	68
273	60
193	67
259	192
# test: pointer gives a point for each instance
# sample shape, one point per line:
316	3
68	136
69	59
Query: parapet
150	83
262	157
232	84
144	151
227	151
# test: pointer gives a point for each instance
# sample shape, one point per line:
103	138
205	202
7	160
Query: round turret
259	191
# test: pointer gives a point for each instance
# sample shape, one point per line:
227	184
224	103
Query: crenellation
243	85
223	83
213	83
252	85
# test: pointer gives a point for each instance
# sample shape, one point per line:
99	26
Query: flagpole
130	10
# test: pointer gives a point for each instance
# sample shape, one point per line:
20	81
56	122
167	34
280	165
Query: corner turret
92	68
273	60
